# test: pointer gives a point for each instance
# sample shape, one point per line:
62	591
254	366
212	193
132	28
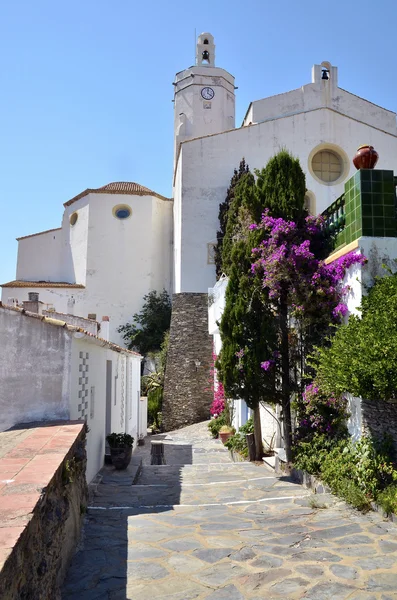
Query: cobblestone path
203	527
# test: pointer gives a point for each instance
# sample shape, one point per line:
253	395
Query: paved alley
203	527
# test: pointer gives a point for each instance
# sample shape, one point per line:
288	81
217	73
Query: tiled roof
118	187
42	284
40	233
72	328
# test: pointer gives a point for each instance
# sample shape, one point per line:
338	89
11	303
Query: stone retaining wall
41	509
187	387
379	418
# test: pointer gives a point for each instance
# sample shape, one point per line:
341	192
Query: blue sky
86	85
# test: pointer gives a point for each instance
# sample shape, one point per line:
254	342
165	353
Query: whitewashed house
51	370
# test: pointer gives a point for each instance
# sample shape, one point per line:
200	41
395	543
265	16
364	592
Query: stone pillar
187	387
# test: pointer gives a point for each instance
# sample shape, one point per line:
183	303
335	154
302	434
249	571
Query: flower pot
366	157
121	457
225	436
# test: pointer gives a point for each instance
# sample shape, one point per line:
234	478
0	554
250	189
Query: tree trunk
258	433
285	377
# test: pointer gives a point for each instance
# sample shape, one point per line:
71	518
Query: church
118	242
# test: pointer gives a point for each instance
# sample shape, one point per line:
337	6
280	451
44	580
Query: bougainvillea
319	413
305	295
218	404
289	262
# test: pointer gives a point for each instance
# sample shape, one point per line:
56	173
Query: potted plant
141	440
120	449
226	432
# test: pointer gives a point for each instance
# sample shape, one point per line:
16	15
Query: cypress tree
247	322
224	214
281	186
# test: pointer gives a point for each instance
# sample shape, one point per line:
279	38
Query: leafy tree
362	356
224	215
282	186
146	333
304	296
246	322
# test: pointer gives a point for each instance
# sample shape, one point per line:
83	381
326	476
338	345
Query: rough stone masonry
187	387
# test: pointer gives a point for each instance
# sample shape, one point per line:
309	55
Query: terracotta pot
225	436
366	157
121	457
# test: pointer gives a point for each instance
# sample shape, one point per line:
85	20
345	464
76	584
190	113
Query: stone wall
40	521
379	417
187	388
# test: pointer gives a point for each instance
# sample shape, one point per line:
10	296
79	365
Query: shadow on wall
121	524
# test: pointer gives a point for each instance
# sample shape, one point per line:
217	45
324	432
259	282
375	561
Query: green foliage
243	210
154	406
310	455
215	424
146	333
362	356
224	215
282	186
120	440
154	384
358	471
238	441
387	499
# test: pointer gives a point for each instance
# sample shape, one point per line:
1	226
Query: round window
327	166
122	211
73	219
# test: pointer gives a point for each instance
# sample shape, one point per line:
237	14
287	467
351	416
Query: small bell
325	75
206	55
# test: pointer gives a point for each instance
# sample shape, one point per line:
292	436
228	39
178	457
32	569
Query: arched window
205	41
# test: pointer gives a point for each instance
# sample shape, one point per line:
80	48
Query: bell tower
204	101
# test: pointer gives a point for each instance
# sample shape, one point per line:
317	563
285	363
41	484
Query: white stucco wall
34	365
125	391
51	297
317	95
40	257
193	114
208	163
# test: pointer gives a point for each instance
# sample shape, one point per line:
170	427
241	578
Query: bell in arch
206	56
325	74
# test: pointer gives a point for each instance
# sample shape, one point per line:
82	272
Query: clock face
207	93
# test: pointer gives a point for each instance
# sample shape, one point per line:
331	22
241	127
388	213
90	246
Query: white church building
120	241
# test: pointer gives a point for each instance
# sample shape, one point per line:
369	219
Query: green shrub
387	499
238	441
215	424
154	405
310	455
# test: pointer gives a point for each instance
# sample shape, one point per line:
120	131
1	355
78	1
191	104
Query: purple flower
268	364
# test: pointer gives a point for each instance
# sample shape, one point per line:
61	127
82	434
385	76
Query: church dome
118	187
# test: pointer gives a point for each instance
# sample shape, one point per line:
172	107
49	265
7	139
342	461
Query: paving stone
329	591
180	545
259	581
344	571
266	562
281	549
311	571
243	555
383	582
290	586
230	592
376	562
387	546
147	570
219	574
185	563
143	551
213	555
